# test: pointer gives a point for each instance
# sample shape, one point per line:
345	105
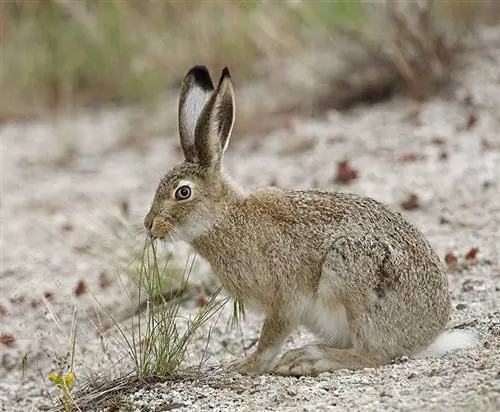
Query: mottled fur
349	268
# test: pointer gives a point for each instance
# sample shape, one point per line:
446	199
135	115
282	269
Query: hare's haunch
349	268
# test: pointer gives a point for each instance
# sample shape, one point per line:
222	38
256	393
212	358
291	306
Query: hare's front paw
250	365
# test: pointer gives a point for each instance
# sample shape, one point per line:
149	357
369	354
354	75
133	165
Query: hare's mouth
161	228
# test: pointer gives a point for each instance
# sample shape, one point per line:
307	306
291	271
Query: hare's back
346	208
318	218
346	213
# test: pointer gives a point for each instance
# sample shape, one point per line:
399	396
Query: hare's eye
183	193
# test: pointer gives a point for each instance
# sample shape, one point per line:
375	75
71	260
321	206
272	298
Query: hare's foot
312	360
250	365
274	331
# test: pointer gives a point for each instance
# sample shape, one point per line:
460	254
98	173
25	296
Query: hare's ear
197	87
216	123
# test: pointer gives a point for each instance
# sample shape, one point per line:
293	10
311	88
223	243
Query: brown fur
304	256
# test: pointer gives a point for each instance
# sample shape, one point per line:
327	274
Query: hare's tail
448	341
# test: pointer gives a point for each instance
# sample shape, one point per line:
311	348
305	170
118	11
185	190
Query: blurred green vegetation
67	52
59	54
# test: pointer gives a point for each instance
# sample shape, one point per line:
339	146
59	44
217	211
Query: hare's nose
148	221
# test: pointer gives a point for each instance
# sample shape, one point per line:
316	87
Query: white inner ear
233	119
214	137
195	101
230	131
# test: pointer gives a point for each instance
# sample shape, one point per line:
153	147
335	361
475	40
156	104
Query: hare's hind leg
354	273
315	359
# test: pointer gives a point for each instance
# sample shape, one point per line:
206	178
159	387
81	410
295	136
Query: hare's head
194	194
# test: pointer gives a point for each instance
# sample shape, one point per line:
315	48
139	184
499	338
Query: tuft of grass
160	347
157	343
238	314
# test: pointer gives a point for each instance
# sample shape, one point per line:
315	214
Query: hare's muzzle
158	226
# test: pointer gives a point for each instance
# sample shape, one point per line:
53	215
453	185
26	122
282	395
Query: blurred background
397	100
60	55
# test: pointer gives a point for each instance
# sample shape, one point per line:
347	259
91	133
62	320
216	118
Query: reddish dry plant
468	100
3	311
101	331
472	120
485	144
80	289
67	227
35	303
443	155
411	157
438	141
345	173
7	340
472	253
201	301
450	258
288	122
412	202
49	295
104	281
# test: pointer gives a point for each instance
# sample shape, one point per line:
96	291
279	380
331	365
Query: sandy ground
59	228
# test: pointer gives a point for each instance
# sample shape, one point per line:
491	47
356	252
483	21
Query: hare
348	268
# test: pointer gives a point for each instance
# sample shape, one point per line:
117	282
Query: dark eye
182	193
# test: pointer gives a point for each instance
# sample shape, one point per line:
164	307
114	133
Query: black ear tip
225	73
201	77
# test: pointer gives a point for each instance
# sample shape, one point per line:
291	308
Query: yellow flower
56	378
68	380
62	381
